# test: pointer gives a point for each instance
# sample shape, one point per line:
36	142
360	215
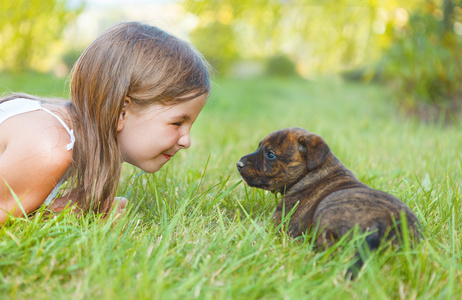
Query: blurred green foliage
28	28
280	65
219	46
423	65
321	36
415	43
71	56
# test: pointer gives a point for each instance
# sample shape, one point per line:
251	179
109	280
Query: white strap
53	193
69	146
70	131
21	105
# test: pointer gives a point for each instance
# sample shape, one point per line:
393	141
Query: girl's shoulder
37	132
33	157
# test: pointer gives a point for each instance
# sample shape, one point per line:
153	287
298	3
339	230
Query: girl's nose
185	141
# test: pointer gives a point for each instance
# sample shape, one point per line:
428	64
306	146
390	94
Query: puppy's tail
372	242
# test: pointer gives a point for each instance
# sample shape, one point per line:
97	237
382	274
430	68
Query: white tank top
18	106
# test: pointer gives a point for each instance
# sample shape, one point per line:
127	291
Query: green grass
195	231
34	83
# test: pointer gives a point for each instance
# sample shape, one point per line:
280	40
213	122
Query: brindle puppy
300	165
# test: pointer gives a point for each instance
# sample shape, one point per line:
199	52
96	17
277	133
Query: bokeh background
413	47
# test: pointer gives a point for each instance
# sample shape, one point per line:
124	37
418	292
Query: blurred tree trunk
448	11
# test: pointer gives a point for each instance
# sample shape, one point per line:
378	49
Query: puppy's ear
315	149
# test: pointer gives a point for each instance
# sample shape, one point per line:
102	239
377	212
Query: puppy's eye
270	155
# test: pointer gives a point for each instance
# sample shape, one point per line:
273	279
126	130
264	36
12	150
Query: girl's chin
152	166
151	170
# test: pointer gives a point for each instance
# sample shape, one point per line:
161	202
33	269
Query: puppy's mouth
254	180
259	185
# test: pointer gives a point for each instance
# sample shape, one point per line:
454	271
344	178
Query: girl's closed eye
181	121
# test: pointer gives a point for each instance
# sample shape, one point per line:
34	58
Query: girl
135	93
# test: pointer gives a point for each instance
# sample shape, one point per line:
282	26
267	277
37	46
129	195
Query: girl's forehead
184	108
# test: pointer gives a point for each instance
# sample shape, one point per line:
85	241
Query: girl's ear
123	114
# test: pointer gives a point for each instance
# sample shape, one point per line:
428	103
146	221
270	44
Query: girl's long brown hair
129	60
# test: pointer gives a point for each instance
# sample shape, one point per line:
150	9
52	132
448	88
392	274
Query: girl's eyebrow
184	117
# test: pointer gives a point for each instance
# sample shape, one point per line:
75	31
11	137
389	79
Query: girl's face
149	136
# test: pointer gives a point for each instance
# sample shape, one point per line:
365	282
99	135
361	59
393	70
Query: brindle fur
306	172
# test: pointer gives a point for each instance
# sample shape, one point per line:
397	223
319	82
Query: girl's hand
119	204
59	204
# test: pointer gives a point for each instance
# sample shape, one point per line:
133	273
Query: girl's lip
167	156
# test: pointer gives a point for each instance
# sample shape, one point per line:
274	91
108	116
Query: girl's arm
59	204
32	163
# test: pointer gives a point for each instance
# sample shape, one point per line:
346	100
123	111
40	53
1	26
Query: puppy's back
368	208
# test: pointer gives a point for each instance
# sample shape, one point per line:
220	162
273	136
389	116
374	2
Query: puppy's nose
240	165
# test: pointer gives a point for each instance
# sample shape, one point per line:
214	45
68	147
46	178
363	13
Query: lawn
194	230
